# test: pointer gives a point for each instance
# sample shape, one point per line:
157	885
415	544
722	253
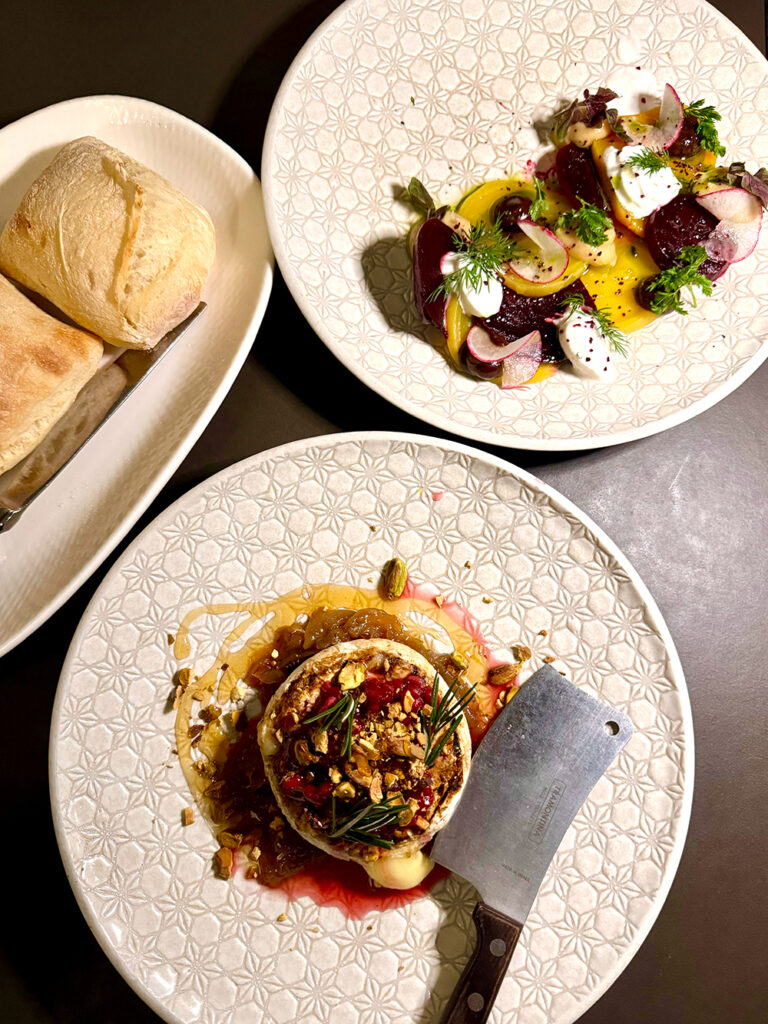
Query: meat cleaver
532	772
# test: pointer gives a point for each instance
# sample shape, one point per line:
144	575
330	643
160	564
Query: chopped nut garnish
407	701
184	675
400	746
467	564
406	817
459	660
486	599
439	600
421	822
389	779
320	741
170	638
543	632
187	816
503	675
302	753
344	791
399	669
210	712
520	652
275	653
224	862
352	675
548	659
367	746
229	840
281	918
418	752
376	793
334	775
394	578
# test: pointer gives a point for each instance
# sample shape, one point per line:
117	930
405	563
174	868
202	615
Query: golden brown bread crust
111	243
43	365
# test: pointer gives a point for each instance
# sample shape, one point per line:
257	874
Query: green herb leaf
589	223
337	715
616	338
444	718
483	253
667	287
363	820
649	161
420	198
537	206
706	130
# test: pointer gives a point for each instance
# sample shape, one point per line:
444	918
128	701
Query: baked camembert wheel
367	749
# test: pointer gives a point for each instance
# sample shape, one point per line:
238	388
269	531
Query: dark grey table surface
687	506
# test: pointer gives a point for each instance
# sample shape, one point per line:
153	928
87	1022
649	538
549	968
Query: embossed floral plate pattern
78	520
202	950
449	91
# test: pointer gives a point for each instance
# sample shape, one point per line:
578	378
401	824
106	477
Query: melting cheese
400	872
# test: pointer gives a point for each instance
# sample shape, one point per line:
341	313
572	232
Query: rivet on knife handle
476	990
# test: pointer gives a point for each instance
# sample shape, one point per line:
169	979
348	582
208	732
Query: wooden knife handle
476	990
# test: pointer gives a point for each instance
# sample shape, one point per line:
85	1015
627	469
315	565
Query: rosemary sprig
589	222
482	256
648	160
616	338
537	206
337	715
444	717
363	820
667	286
706	129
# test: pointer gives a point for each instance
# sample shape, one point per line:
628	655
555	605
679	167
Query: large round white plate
200	950
449	92
74	525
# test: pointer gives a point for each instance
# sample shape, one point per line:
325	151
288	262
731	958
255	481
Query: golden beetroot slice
578	177
522	314
433	240
681	222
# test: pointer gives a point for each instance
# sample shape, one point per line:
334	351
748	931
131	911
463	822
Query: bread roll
111	243
43	365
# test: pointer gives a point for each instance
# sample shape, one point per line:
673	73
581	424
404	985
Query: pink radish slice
665	132
482	346
522	364
732	241
740	216
731	204
550	260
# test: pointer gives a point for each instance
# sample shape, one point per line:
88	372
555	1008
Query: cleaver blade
534	769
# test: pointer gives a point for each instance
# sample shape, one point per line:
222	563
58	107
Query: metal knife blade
532	772
23	483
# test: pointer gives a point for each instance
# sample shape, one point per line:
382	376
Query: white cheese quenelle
585	345
639	191
483	301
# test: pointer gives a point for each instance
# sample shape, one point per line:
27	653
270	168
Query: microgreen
445	717
363	820
648	160
616	339
706	130
537	206
589	223
666	287
483	254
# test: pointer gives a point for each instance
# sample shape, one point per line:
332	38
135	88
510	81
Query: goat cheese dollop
586	346
483	301
640	192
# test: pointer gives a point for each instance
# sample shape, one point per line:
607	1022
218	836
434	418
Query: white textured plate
74	525
201	950
448	91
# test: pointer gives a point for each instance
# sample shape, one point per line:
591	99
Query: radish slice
732	241
666	130
740	215
482	346
522	364
731	204
547	264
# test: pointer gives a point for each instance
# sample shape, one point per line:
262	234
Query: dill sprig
615	338
537	206
363	820
666	288
589	222
445	716
482	256
649	161
337	715
706	130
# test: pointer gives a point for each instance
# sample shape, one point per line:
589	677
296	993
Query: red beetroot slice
522	314
681	222
433	240
578	177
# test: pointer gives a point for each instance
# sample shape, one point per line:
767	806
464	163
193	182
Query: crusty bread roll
43	365
111	243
